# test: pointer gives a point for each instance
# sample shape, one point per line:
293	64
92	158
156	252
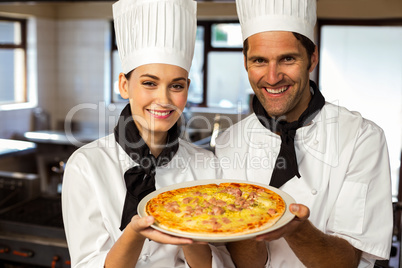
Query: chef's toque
258	16
155	31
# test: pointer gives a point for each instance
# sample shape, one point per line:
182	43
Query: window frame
207	24
23	45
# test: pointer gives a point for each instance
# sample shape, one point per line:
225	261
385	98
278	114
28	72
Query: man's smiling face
278	69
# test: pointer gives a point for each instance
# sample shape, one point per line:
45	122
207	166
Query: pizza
224	209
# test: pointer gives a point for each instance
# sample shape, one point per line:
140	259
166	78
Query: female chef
105	180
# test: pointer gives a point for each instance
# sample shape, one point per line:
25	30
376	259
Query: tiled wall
14	123
83	66
46	67
71	76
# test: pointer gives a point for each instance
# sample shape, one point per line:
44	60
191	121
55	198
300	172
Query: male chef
333	162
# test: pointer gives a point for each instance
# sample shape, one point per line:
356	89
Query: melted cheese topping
212	209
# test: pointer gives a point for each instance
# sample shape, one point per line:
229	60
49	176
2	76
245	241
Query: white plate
287	216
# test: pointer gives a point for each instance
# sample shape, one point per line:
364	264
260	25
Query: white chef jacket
93	195
345	177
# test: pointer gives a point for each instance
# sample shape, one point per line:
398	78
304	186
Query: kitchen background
70	78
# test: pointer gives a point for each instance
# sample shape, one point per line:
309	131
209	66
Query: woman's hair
305	41
128	75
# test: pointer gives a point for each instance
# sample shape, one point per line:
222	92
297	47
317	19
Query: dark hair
127	75
305	41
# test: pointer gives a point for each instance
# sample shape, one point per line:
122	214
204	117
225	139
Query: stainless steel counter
61	137
12	147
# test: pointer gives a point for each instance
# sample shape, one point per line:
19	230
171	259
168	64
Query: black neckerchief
286	163
140	179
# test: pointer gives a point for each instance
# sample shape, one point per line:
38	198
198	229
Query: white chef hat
155	31
258	16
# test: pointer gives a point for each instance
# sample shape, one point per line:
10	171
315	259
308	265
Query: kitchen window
13	47
218	77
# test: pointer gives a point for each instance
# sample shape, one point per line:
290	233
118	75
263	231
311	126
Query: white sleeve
87	238
221	257
363	211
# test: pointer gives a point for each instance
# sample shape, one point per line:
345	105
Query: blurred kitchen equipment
16	188
58	169
31	224
40	119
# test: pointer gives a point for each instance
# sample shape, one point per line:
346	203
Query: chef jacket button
144	257
314	192
316	142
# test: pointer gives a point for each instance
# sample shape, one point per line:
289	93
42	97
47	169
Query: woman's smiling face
157	94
